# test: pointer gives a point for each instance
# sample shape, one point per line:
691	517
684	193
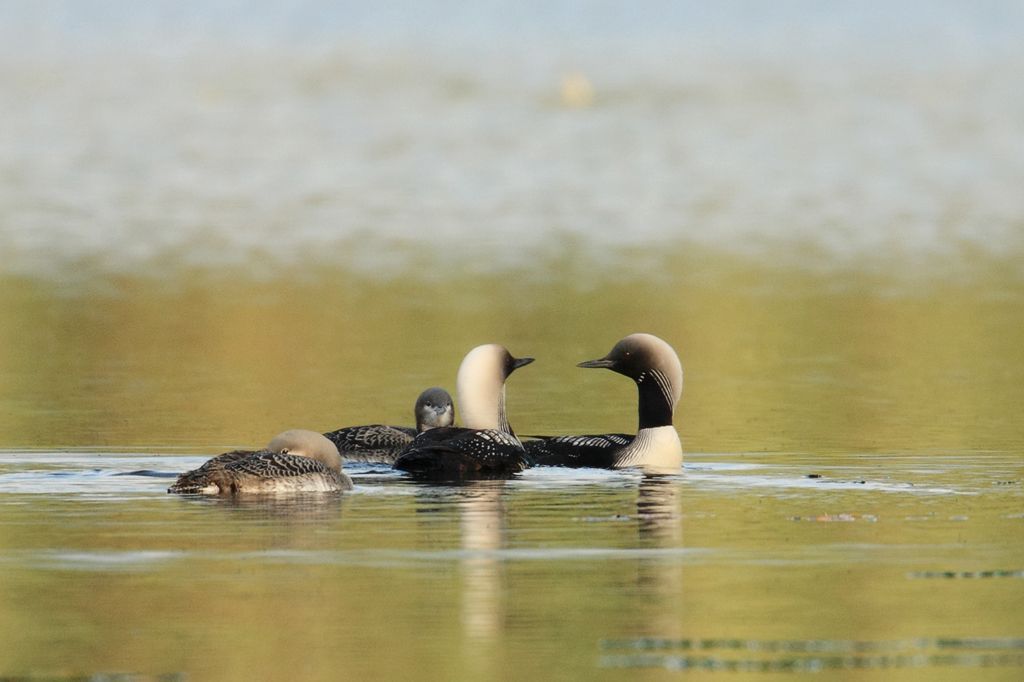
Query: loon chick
381	443
294	461
655	368
486	447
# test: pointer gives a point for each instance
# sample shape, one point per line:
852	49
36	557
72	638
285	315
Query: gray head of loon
433	409
480	386
643	358
302	443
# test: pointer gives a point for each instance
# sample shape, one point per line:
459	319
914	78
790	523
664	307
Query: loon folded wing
275	465
460	453
371	442
202	477
590	450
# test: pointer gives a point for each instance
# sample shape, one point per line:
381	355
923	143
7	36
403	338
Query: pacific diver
294	461
655	368
486	447
381	443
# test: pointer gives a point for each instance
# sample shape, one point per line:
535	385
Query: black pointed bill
520	362
599	363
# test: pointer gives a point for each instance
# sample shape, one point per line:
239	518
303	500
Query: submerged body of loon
381	443
654	366
294	461
486	447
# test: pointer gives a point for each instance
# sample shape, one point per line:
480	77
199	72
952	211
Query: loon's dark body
596	451
294	461
259	471
452	453
377	443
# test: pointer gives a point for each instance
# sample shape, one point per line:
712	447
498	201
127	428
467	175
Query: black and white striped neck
503	424
656	399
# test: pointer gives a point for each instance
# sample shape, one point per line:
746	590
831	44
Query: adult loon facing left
486	447
293	461
654	365
381	443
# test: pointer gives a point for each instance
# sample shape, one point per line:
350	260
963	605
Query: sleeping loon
655	368
294	461
381	443
486	447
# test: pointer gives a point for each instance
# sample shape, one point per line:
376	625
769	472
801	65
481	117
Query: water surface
740	562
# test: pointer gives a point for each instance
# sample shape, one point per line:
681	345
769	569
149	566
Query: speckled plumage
380	443
198	479
294	461
458	453
372	442
597	451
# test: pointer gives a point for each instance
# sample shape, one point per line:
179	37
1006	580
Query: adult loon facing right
487	447
382	443
655	367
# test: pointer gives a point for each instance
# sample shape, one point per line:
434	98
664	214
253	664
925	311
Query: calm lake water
217	224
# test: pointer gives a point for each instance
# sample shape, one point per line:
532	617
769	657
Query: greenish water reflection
774	360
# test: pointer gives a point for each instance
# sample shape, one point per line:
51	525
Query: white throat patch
656	449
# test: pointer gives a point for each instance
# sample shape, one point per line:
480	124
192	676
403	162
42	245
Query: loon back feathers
262	471
198	479
591	450
657	450
372	442
381	443
458	453
293	461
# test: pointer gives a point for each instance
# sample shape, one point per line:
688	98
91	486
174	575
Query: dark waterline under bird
380	443
486	447
293	461
654	365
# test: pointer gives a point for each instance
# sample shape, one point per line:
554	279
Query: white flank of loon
294	461
486	447
655	367
382	443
